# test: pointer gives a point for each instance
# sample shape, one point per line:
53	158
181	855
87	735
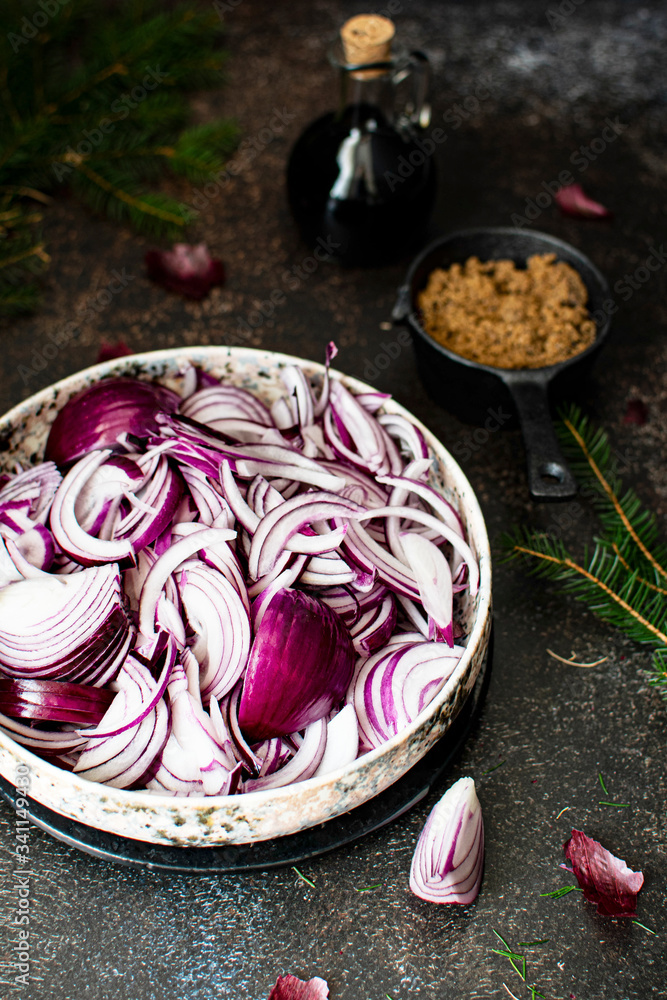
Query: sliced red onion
303	764
299	395
9	572
300	666
192	762
161	659
407	434
66	627
135	728
220	621
365	552
351	603
273	753
322	403
208	499
37	485
53	701
356	436
285	573
327	570
45	743
154	507
342	741
374	627
406	484
449	858
298	510
67	531
229	708
420	517
280	526
170	561
434	579
393	686
35	545
96	417
108	482
225	402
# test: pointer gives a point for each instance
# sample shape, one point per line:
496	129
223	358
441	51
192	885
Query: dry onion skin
209	596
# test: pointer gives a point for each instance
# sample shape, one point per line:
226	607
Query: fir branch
622	515
70	114
620	579
161	209
593	598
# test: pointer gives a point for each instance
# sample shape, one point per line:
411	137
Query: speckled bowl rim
263	815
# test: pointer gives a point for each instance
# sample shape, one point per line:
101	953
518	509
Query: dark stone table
552	73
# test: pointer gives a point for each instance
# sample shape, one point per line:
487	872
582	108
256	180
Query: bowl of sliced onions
240	594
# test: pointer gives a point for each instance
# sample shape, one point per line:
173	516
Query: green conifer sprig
95	100
622	577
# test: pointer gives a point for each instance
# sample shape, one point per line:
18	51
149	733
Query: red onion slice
53	701
449	858
303	764
342	741
165	566
67	531
280	526
192	762
220	621
37	485
434	579
124	754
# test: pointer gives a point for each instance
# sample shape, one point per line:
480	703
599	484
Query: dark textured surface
99	931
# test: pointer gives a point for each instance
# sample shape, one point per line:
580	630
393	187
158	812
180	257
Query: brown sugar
497	314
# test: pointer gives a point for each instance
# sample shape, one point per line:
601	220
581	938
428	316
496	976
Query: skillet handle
549	477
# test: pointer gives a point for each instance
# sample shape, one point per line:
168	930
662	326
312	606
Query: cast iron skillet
478	392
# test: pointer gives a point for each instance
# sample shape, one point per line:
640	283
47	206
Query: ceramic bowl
263	815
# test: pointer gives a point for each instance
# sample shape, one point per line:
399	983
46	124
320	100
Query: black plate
372	815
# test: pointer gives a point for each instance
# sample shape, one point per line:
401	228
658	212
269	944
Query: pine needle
563	891
303	878
571	662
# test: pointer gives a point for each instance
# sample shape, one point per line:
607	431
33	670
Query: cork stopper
367	38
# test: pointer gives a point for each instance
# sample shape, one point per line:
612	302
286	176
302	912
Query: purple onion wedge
449	857
300	666
96	417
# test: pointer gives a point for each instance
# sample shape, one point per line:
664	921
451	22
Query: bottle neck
367	96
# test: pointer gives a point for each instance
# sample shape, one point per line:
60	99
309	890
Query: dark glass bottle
359	183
